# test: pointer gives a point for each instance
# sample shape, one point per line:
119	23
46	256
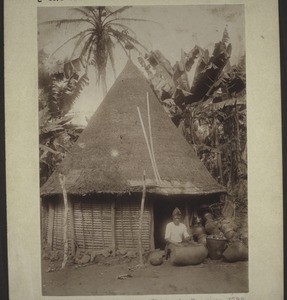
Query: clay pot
228	224
192	254
198	230
156	261
202	239
225	227
211	227
236	252
215	247
156	258
229	234
208	216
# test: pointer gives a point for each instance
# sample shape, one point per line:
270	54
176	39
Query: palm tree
103	28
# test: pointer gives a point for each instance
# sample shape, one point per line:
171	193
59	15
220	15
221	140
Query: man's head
176	216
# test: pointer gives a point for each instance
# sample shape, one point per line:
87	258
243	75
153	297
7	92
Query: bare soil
100	279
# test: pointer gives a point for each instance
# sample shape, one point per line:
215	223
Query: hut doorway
163	209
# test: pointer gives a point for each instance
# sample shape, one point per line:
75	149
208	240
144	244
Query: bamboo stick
150	136
140	221
113	204
72	227
62	179
148	147
187	217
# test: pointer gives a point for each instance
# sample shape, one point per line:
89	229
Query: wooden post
72	227
140	221
113	205
62	179
187	217
148	147
151	240
150	137
51	213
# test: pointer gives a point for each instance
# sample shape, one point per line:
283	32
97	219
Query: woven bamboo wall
52	223
127	224
93	224
44	221
58	226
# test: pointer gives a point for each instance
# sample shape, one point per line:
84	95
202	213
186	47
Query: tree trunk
62	179
104	83
140	221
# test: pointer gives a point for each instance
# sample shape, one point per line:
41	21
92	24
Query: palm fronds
118	11
96	43
131	19
67	41
86	12
61	22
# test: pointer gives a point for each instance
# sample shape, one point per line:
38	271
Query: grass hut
104	174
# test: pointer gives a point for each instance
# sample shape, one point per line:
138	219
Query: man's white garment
176	232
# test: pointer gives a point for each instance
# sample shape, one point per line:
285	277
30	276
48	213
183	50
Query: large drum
190	254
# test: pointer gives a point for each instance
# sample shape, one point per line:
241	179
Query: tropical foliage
60	83
211	113
211	110
57	134
218	135
101	28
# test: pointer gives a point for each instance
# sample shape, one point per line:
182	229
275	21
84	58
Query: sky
180	27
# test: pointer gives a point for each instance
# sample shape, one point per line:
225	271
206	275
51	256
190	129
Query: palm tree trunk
104	82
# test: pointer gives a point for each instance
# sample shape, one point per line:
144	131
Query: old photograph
143	150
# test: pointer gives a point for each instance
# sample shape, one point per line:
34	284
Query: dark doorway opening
163	208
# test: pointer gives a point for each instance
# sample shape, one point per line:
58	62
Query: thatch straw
110	154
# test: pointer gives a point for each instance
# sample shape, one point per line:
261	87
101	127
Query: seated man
175	232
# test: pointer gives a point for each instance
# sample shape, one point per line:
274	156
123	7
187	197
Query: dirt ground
98	279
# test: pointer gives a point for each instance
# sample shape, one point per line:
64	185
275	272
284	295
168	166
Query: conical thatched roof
111	153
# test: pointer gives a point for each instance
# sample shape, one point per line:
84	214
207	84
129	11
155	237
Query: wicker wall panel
127	214
58	226
44	221
92	224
